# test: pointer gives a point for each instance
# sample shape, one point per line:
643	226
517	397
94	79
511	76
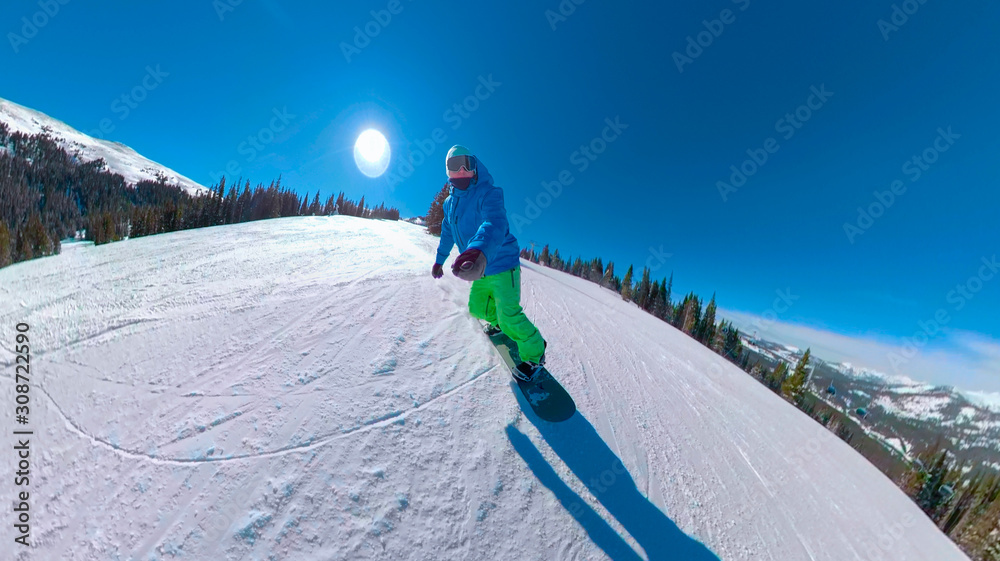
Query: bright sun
371	153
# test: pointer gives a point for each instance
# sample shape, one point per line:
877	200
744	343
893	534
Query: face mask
461	183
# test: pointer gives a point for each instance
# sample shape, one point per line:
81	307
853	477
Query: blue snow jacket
476	219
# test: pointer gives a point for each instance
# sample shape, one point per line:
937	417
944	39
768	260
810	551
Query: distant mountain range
119	158
903	414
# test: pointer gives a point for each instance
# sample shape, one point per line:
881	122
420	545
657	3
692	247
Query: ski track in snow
302	389
322	441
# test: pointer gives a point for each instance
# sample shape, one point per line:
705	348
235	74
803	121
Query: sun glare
371	153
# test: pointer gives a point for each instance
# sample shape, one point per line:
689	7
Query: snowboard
547	398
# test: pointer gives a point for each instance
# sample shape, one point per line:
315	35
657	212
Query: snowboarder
475	219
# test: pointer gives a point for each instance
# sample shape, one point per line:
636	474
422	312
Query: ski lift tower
533	244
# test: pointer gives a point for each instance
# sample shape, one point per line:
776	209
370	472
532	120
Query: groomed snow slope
303	389
119	158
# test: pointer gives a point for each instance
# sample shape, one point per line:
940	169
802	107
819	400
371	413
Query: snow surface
119	158
751	347
897	444
922	407
303	389
967	415
985	400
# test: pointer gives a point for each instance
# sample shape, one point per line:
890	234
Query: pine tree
793	387
545	258
706	328
764	374
597	271
608	280
991	543
690	315
678	318
314	208
103	229
304	207
930	497
666	312
718	341
777	378
435	215
41	241
626	291
984	533
964	504
642	296
229	205
654	300
5	245
974	520
733	346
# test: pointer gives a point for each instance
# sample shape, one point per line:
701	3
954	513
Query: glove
437	271
470	265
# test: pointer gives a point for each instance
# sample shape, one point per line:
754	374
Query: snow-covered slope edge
120	159
303	389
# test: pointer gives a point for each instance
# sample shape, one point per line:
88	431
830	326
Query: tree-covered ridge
48	194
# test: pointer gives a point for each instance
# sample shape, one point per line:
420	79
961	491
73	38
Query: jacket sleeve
447	241
493	231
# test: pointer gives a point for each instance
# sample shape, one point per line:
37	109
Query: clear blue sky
655	185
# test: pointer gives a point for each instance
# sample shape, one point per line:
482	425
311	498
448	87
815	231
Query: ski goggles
456	163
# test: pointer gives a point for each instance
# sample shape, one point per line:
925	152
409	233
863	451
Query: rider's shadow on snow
578	445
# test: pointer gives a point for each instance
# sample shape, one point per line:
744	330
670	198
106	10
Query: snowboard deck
547	398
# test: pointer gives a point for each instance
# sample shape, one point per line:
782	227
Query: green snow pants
497	299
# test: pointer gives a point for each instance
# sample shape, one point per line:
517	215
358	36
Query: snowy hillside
119	158
303	389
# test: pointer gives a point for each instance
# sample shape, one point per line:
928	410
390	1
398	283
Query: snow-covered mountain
907	415
303	389
119	158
